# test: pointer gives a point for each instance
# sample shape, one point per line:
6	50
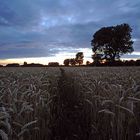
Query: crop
70	103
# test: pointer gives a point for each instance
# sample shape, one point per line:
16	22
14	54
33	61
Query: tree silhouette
79	58
25	64
97	58
13	65
87	63
66	62
109	43
53	64
72	61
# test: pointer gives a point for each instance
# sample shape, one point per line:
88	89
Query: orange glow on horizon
59	57
41	60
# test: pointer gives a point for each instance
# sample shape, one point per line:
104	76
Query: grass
70	103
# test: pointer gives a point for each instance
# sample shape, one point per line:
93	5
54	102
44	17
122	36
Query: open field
70	103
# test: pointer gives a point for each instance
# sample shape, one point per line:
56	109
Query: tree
109	43
87	63
53	64
79	58
25	63
13	65
97	58
66	62
72	61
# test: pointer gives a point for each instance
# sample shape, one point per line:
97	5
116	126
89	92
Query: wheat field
85	103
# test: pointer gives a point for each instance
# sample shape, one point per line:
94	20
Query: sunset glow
46	31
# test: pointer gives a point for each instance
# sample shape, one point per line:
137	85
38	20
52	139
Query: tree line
103	64
74	61
108	45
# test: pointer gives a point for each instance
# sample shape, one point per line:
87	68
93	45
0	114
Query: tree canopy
79	58
109	43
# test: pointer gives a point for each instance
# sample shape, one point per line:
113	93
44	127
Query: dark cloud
31	28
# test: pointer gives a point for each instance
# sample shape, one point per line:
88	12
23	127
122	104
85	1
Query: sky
51	30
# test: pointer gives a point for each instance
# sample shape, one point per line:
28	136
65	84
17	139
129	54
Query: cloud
32	28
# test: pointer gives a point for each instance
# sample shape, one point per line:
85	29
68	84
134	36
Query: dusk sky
51	30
